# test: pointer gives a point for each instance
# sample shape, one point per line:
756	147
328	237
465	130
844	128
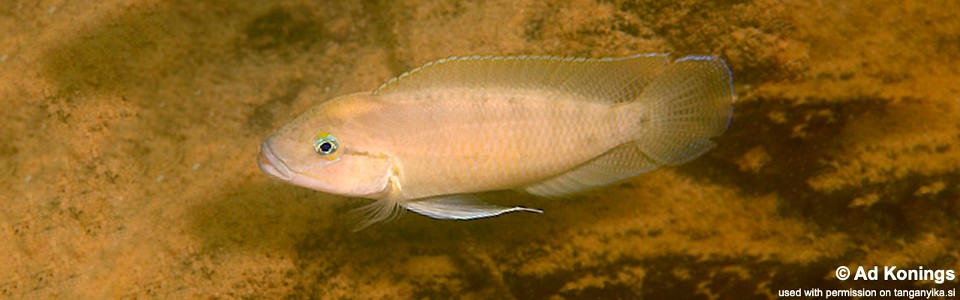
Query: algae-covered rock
130	132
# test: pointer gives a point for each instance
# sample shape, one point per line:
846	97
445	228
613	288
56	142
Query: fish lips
271	165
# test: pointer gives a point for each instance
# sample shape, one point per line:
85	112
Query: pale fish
430	139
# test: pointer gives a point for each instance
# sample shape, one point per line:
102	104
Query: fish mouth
270	164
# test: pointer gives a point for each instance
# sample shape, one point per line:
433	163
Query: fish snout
271	165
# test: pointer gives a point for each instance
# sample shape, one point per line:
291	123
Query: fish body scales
470	140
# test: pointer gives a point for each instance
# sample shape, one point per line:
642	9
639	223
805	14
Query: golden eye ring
326	145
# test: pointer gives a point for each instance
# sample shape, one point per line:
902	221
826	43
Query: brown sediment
131	131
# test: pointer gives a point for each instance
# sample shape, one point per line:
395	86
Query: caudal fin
683	108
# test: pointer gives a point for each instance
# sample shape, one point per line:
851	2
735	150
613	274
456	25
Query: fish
436	137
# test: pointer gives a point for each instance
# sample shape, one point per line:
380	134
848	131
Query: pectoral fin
460	207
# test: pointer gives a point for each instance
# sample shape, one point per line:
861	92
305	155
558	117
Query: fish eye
325	144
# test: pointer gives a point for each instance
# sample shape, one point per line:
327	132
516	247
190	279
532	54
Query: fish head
330	148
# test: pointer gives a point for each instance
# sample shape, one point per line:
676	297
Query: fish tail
682	108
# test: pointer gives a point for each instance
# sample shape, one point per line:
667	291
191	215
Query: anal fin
622	162
460	207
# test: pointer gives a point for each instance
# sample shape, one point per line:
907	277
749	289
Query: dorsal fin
612	79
